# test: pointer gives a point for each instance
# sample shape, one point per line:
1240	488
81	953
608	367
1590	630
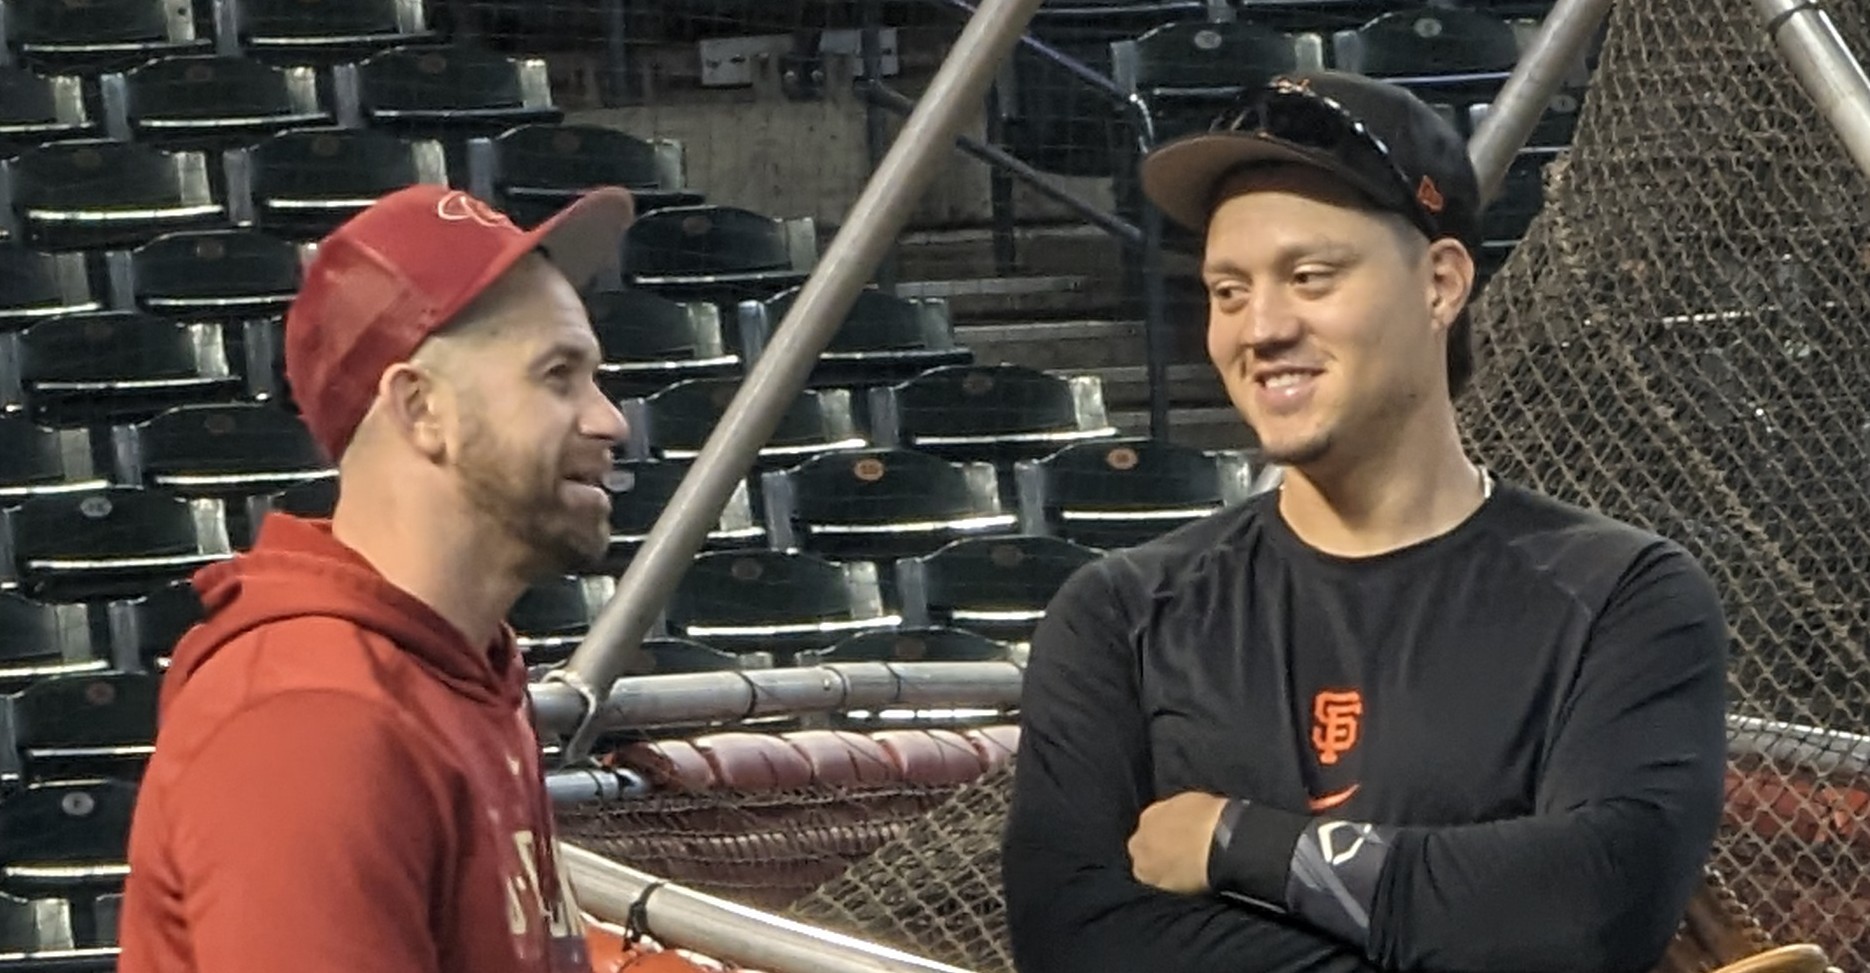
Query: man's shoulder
1578	546
1164	561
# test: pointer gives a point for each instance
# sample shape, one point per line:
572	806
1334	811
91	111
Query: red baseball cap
399	271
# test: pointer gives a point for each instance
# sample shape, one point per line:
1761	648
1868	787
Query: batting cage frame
587	696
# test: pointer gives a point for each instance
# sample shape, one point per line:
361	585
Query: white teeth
1284	379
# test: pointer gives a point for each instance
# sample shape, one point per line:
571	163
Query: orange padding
764	762
612	952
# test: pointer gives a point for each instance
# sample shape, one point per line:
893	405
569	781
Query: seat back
777	601
880	504
35	285
118	366
675	422
96	193
36	108
42	459
216	274
213	100
997	586
308	181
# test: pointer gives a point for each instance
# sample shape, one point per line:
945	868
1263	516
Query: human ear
1451	275
414	405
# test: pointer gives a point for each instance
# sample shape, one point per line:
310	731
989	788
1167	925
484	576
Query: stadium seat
448	92
216	274
673	423
39	639
117	542
938	644
883	338
1122	493
36	108
551	617
532	171
36	459
997	413
306	182
650	342
328	31
145	629
1522	195
112	366
719	253
997	586
230	451
213	101
1553	133
99	193
40	925
101	35
670	656
1451	57
640	492
79	727
1187	72
775	601
880	504
35	285
311	499
66	836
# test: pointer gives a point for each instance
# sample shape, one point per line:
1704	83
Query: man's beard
552	536
1299	453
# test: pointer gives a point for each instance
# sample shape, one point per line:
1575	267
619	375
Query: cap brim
585	239
1181	177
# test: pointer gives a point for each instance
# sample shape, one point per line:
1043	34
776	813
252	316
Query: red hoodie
341	783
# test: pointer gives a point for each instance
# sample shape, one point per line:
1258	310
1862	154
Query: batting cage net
1678	339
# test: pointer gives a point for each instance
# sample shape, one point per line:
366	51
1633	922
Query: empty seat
99	35
37	108
37	459
113	366
35	285
66	836
722	253
41	925
145	629
45	638
98	193
650	342
640	492
211	100
669	656
226	450
1122	493
532	171
310	499
938	644
112	543
882	339
1187	72
674	423
1450	56
449	91
219	274
999	413
308	181
775	601
880	503
80	726
551	617
327	31
997	586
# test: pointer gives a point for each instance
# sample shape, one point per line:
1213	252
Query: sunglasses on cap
1291	112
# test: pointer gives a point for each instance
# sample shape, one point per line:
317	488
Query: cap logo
1429	195
459	207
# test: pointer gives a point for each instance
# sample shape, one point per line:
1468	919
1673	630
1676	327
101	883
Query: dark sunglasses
1292	112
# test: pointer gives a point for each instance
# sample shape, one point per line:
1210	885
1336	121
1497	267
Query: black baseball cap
1377	136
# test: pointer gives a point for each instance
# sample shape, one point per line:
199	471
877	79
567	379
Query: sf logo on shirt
1337	725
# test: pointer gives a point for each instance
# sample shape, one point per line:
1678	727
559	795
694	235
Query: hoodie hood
297	569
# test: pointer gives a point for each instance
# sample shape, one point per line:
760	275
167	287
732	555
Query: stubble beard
547	532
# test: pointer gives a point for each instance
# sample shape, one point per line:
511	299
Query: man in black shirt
1398	714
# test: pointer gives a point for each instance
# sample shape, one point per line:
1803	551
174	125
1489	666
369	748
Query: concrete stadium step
1041	250
1214	427
1036	297
1076	344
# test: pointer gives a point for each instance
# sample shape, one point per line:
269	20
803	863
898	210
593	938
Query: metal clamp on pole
952	98
1827	71
1561	42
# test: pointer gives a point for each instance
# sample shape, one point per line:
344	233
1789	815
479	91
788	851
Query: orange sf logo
1336	719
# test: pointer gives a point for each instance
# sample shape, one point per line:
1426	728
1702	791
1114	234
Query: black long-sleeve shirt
1529	706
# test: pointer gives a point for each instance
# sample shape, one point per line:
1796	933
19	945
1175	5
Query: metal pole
1561	42
918	153
1831	77
725	930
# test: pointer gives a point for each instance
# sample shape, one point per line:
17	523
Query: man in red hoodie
346	777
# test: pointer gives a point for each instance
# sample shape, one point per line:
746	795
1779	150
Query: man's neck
435	556
1413	488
